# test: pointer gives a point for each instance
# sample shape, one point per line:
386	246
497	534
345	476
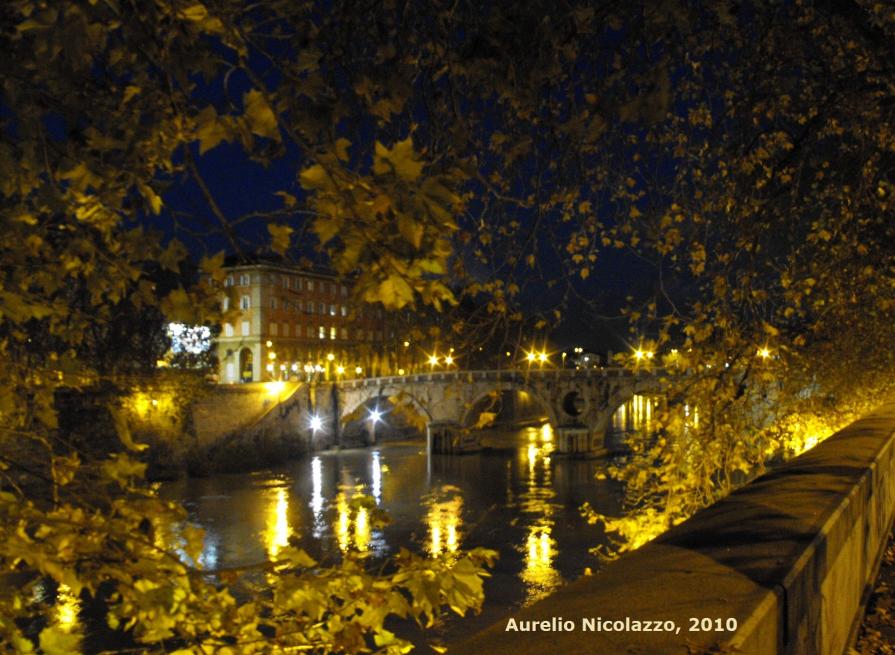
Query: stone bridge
579	404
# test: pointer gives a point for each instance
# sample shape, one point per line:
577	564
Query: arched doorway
245	365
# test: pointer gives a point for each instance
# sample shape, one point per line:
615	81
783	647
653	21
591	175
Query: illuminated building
280	319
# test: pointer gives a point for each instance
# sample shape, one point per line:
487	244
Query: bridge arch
409	407
473	409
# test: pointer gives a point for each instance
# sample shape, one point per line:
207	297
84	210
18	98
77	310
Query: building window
344	334
322	309
245	302
274	278
285	329
284	281
228	281
332	332
310	331
321	333
332	310
310	285
273	303
245	329
298	306
310	308
228	330
344	310
225	304
344	291
273	329
245	280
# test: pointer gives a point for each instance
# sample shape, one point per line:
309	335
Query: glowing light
547	432
531	357
358	370
316	423
401	371
270	368
375	415
764	353
362	530
277	531
433	360
271	355
542	357
376	477
448	360
268	343
317	495
444	519
66	609
274	388
340	370
406	344
330	357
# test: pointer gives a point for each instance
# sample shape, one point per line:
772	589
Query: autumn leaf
280	237
400	160
211	130
259	115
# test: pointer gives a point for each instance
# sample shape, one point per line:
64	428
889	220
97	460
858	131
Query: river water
515	497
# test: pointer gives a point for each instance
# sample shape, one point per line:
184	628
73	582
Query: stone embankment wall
788	557
239	427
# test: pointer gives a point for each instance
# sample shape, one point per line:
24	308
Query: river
515	497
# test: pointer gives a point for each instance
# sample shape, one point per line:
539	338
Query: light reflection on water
516	497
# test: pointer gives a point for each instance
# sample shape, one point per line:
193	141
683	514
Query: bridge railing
500	375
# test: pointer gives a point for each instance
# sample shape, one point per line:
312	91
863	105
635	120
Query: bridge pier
580	441
450	438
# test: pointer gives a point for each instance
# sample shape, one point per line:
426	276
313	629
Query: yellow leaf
261	118
411	230
288	199
401	160
280	237
342	145
394	292
56	641
129	92
314	177
155	202
194	12
634	212
211	130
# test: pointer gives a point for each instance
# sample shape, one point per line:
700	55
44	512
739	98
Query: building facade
284	323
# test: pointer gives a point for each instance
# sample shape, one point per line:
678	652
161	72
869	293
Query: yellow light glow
542	357
66	609
530	357
362	530
277	530
340	370
448	360
274	388
764	352
406	344
547	432
358	370
433	360
271	355
444	519
268	343
639	355
330	357
401	371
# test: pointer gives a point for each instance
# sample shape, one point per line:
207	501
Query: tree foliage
733	159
